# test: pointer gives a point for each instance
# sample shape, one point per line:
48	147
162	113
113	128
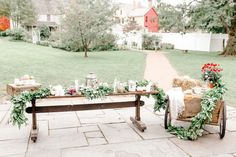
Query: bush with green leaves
167	46
105	42
55	36
150	42
17	33
43	43
27	37
44	32
3	34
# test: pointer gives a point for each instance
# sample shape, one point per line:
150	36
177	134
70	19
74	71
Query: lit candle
76	85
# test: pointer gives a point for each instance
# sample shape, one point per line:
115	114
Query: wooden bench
137	103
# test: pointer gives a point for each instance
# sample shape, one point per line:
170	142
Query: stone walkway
110	133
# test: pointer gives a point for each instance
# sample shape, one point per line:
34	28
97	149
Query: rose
71	91
211	72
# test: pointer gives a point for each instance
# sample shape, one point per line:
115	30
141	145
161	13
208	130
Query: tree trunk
230	49
85	51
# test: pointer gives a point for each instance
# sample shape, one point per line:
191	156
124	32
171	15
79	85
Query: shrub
55	44
27	37
167	46
104	42
150	42
71	45
17	33
67	46
55	36
71	42
3	34
43	43
44	32
134	44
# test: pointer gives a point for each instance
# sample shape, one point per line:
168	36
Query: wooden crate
193	107
13	89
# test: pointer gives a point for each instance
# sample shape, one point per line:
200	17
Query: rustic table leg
137	120
34	131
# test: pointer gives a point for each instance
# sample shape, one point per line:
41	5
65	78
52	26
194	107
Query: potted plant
211	74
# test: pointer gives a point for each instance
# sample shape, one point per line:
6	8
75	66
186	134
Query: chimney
149	3
134	4
139	4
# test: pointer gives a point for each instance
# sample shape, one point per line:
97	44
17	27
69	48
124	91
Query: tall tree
131	25
218	16
21	12
86	20
171	18
5	8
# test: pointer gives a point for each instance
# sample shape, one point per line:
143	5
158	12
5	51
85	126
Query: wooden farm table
137	103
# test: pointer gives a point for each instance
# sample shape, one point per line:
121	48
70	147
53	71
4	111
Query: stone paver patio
109	133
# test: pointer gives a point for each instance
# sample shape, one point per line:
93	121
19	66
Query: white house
133	11
49	12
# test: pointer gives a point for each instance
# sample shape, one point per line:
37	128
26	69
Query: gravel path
159	69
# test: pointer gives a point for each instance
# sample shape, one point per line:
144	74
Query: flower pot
211	85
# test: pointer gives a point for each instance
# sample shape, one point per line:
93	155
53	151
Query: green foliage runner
100	92
17	116
19	102
160	99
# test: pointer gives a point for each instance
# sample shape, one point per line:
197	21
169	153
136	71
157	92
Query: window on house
48	17
120	12
133	18
146	19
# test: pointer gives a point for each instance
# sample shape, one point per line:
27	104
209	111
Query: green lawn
52	66
191	63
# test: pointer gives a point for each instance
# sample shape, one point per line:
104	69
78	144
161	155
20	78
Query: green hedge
150	42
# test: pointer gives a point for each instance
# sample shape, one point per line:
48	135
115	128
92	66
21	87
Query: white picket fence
190	41
195	41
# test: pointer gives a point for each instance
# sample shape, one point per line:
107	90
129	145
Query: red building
151	20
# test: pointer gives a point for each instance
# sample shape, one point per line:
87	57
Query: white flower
105	84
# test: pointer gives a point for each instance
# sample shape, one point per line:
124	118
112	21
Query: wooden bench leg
34	131
137	120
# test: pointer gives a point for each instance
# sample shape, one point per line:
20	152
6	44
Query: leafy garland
142	83
99	92
208	104
160	99
19	102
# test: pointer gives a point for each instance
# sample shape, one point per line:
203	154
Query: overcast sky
144	2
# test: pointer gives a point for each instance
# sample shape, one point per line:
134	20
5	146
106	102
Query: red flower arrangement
211	72
71	91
